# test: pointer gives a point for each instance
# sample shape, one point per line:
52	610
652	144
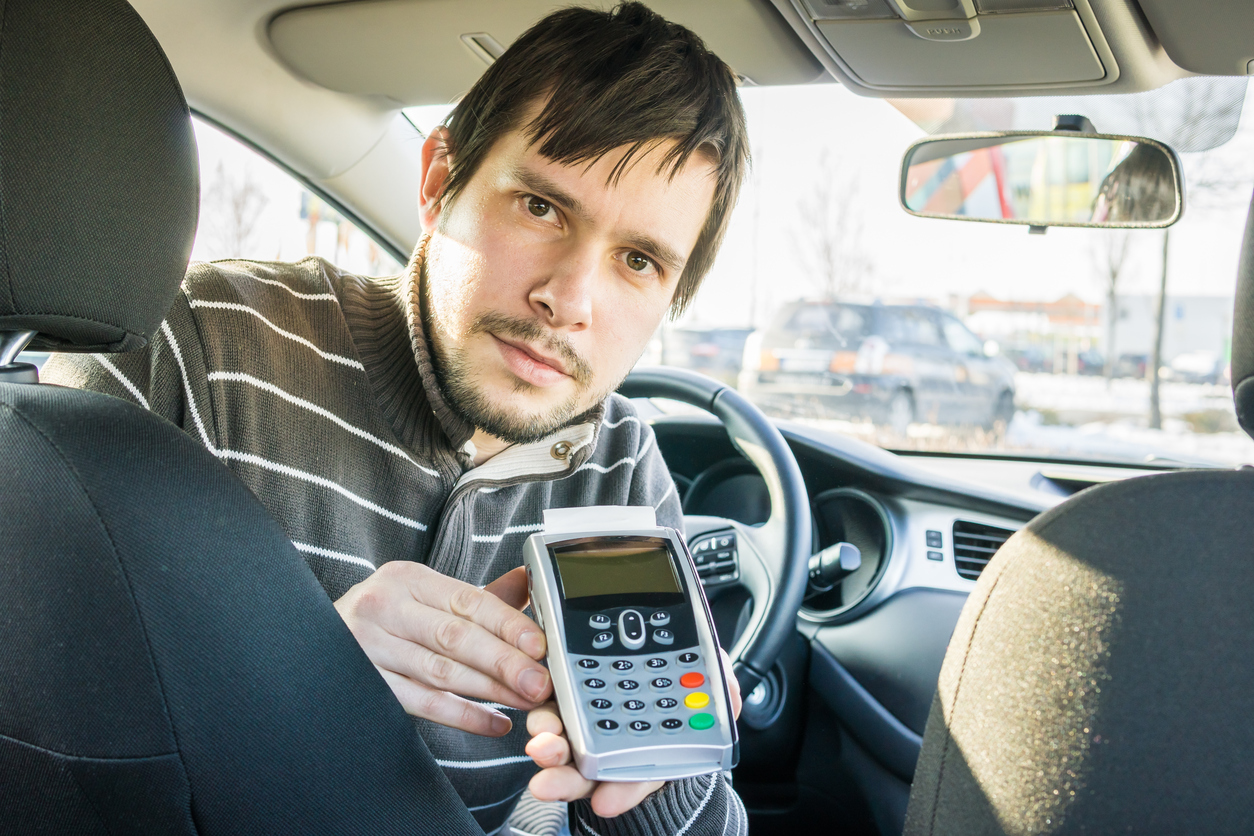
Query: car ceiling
318	87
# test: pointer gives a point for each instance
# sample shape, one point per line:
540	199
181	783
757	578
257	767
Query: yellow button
697	700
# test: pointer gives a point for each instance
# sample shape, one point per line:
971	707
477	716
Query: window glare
250	208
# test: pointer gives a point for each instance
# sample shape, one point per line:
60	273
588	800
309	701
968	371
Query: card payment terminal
631	646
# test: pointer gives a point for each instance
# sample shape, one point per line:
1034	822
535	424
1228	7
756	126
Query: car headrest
99	182
1243	331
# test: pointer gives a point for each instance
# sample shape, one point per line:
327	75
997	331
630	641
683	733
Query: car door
913	333
975	375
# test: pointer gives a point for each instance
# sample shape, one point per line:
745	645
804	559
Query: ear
435	169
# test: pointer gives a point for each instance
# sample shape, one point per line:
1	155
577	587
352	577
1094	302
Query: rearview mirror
1044	178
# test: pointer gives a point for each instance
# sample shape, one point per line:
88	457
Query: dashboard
870	649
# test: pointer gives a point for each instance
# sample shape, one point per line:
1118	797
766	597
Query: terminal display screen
597	567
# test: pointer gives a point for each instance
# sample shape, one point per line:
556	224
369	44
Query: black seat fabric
1099	679
98	176
169	663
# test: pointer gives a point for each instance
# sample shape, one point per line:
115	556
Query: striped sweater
316	388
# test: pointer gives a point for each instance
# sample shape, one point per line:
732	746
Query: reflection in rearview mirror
1044	179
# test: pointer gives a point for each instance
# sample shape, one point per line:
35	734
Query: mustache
530	331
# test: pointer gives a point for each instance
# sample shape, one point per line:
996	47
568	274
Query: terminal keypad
683	701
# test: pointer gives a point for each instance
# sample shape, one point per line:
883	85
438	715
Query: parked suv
893	364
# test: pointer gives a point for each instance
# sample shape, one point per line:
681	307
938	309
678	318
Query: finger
471	603
562	783
733	684
460	640
446	709
544	719
548	750
511	588
610	800
432	669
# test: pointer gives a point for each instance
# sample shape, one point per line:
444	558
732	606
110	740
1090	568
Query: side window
959	338
251	208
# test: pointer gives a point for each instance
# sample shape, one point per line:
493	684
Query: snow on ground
1072	415
1080	417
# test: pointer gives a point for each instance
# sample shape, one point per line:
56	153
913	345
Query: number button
661	684
602	640
599	622
640	726
589	664
621	665
666	704
601	705
671	725
655	664
607	726
689	659
628	685
633	705
594	684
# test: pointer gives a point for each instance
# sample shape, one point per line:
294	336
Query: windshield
831	306
920	334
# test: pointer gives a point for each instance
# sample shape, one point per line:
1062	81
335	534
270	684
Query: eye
538	206
639	262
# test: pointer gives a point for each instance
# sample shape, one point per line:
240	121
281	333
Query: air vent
974	545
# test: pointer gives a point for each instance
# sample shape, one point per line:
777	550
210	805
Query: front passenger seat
168	663
1100	679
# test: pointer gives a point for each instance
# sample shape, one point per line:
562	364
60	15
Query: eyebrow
534	181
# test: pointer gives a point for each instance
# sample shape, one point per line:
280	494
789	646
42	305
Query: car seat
168	663
1099	679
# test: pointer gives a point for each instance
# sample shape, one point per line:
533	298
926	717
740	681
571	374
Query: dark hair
627	77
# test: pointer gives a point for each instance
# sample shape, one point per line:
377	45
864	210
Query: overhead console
964	48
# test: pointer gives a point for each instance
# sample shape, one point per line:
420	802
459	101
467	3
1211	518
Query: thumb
511	588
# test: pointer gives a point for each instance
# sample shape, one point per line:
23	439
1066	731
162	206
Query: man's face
544	282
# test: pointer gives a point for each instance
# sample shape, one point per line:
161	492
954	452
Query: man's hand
433	637
559	780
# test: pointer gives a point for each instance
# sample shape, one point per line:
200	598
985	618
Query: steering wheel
774	557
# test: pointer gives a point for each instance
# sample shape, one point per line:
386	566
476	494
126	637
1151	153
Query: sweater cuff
700	806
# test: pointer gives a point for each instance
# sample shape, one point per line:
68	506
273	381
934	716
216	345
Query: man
409	432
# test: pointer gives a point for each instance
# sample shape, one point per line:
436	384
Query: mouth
530	364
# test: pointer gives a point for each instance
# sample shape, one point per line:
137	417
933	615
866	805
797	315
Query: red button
692	680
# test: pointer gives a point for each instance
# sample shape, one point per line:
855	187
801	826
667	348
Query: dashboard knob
832	565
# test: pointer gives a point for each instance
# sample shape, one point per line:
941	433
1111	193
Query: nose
564	297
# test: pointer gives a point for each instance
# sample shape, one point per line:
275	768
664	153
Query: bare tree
230	209
1110	252
829	235
1188	116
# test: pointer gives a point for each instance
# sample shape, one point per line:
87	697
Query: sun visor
419	52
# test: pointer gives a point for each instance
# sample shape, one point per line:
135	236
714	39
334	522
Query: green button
701	721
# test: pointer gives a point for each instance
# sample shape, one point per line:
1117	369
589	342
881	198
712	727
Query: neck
486	446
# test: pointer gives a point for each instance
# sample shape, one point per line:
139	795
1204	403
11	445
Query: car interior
1092	678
